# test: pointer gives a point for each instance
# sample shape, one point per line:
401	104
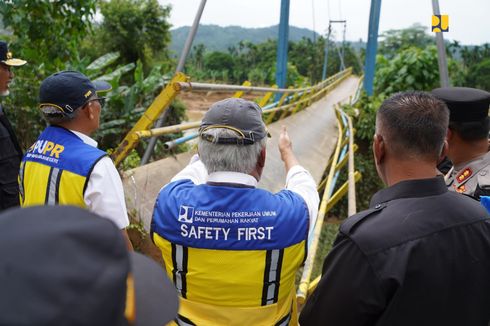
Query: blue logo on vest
186	214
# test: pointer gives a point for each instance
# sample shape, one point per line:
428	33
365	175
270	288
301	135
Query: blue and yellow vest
232	252
55	170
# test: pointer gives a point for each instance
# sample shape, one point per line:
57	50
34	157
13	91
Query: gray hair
226	157
54	116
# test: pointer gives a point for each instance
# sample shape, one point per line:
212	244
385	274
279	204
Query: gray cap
242	116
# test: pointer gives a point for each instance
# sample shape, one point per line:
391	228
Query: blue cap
69	90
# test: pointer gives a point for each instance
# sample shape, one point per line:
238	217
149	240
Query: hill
217	38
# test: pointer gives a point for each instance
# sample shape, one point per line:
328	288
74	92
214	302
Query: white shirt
104	194
298	180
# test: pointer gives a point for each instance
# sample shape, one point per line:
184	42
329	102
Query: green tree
479	75
218	61
47	34
309	56
410	69
138	29
197	55
397	40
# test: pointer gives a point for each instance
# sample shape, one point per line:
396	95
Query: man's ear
449	135
261	160
444	150
91	110
379	149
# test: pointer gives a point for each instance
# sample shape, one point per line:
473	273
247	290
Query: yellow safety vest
232	253
56	168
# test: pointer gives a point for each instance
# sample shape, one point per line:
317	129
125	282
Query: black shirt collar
410	189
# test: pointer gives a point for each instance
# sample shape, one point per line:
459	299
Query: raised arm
298	179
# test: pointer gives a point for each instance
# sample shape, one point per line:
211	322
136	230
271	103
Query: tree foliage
410	69
396	40
47	34
138	29
479	75
257	62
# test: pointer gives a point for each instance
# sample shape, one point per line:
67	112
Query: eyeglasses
100	99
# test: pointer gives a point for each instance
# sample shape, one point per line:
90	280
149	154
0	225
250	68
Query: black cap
69	90
465	104
6	56
242	116
62	265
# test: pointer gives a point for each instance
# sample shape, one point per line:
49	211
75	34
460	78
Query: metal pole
441	50
372	46
325	61
180	67
282	47
351	207
343	46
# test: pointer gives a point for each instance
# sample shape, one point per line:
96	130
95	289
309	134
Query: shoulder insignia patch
460	189
463	175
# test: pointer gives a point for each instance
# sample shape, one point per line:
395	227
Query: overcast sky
469	20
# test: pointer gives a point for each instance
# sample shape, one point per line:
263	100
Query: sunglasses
101	101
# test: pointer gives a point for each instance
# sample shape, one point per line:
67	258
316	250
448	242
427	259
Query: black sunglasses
100	99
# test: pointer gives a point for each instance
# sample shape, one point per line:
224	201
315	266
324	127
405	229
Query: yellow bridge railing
292	101
345	144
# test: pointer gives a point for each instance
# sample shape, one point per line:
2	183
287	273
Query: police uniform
472	178
65	167
10	157
231	249
10	151
466	105
420	255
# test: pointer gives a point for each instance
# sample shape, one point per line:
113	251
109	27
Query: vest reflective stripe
284	321
272	276
182	321
179	271
52	192
21	180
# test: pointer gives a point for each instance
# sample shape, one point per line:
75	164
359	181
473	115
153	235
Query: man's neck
76	127
464	152
398	171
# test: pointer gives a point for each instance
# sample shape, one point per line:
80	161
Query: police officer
232	249
64	166
420	254
469	125
10	151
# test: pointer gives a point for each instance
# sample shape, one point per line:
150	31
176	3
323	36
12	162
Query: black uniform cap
465	104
